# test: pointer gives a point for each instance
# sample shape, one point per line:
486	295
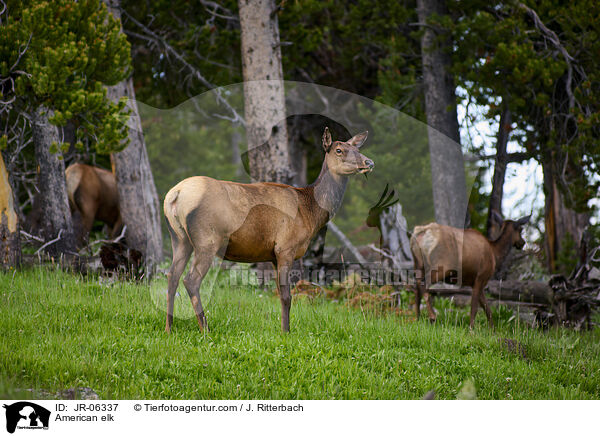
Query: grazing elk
258	222
93	196
443	253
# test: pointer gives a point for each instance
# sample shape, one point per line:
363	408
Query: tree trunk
236	157
393	228
10	247
561	222
264	94
138	200
53	202
297	126
447	167
499	172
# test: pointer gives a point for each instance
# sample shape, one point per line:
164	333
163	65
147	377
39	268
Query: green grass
59	331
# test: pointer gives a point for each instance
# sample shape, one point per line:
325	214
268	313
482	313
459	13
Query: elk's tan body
286	216
93	195
255	222
463	257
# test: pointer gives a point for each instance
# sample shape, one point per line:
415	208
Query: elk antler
382	204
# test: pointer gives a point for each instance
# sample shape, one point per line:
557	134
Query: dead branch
158	41
104	241
516	157
50	242
30	236
215	7
553	38
383	253
346	243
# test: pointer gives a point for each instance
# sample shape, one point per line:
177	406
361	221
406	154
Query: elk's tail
171	214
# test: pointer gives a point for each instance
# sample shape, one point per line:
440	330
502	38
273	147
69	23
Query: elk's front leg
284	264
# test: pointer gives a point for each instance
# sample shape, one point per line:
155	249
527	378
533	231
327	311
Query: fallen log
528	291
559	301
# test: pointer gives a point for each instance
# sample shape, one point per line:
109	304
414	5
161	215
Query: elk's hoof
202	323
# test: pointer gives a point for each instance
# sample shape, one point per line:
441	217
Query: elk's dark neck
501	246
328	191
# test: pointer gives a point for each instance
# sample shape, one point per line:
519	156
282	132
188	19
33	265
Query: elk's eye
338	150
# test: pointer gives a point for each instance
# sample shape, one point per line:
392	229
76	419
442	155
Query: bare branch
215	6
30	236
105	241
346	242
511	157
316	88
394	259
553	38
50	242
21	53
169	50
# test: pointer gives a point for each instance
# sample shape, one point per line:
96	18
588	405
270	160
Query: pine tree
55	57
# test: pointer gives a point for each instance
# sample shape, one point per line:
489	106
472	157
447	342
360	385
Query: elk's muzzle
367	166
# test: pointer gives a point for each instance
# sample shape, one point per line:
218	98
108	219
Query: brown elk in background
258	222
447	254
93	196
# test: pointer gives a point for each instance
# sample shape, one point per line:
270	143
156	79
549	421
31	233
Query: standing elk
258	222
442	253
93	196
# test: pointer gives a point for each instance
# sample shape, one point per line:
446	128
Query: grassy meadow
60	331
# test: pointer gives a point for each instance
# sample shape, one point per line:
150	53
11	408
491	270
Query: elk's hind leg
182	249
476	298
418	294
430	310
488	313
203	257
434	277
420	287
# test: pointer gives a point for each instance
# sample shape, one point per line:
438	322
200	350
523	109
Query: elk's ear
524	220
359	139
326	140
497	217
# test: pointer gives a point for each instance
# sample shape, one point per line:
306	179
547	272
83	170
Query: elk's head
344	158
513	228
